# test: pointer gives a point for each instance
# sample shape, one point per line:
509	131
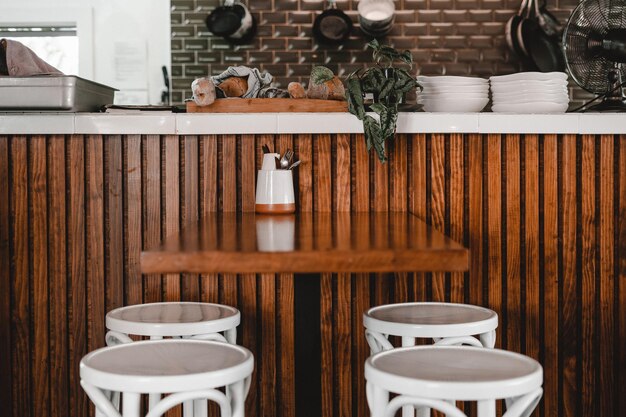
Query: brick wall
454	37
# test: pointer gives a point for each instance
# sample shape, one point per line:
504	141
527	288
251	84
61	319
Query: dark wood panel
77	314
57	274
6	396
543	217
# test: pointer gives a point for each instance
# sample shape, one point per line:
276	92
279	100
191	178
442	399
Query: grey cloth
256	80
22	61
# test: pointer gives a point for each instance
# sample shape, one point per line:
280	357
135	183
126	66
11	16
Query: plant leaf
378	108
372	80
386	88
320	75
407	57
354	95
404	82
372	131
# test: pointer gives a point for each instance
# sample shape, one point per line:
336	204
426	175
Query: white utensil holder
274	188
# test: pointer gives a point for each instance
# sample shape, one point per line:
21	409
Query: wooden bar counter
539	201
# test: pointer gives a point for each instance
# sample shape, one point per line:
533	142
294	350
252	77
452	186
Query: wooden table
320	242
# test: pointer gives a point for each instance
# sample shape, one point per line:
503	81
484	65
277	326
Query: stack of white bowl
452	94
530	92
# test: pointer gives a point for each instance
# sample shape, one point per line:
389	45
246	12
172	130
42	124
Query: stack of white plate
530	92
451	94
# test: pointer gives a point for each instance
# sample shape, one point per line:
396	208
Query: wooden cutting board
269	105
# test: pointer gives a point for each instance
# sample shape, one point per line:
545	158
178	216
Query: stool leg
237	398
153	399
231	336
200	408
488	339
188	409
408	410
380	398
485	408
130	404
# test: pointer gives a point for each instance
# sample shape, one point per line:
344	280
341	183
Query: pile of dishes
530	92
452	94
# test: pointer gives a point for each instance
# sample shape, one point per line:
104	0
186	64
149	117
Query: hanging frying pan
333	26
548	22
543	50
232	21
510	30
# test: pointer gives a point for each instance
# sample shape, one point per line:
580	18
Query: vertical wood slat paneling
620	287
113	223
39	274
551	331
531	245
133	292
511	329
568	314
151	208
170	194
438	206
456	195
5	277
588	275
57	273
189	185
128	202
21	311
494	222
605	316
78	403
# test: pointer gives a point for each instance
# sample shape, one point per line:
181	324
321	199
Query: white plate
452	96
470	105
538	107
531	100
528	90
530	97
530	84
432	89
526	76
451	79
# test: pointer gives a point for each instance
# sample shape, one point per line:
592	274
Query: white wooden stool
191	320
190	370
446	323
436	376
183	320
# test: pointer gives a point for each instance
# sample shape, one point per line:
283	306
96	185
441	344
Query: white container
274	189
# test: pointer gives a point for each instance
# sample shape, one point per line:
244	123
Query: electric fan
594	42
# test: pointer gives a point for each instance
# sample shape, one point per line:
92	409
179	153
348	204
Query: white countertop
165	123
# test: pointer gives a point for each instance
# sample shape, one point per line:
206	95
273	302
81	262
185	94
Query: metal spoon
295	164
284	161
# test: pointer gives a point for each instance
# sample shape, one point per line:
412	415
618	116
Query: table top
306	243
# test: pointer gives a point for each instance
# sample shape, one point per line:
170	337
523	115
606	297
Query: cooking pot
232	21
376	17
333	26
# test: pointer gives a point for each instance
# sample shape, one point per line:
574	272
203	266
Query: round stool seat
454	372
173	319
166	366
430	320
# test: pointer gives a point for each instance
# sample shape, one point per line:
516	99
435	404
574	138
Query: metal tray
53	93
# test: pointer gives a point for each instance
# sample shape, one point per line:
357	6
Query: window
57	45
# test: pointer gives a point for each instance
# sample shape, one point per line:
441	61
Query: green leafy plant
388	84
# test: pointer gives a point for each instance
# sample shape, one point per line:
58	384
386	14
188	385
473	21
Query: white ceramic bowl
451	79
538	107
528	76
470	105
